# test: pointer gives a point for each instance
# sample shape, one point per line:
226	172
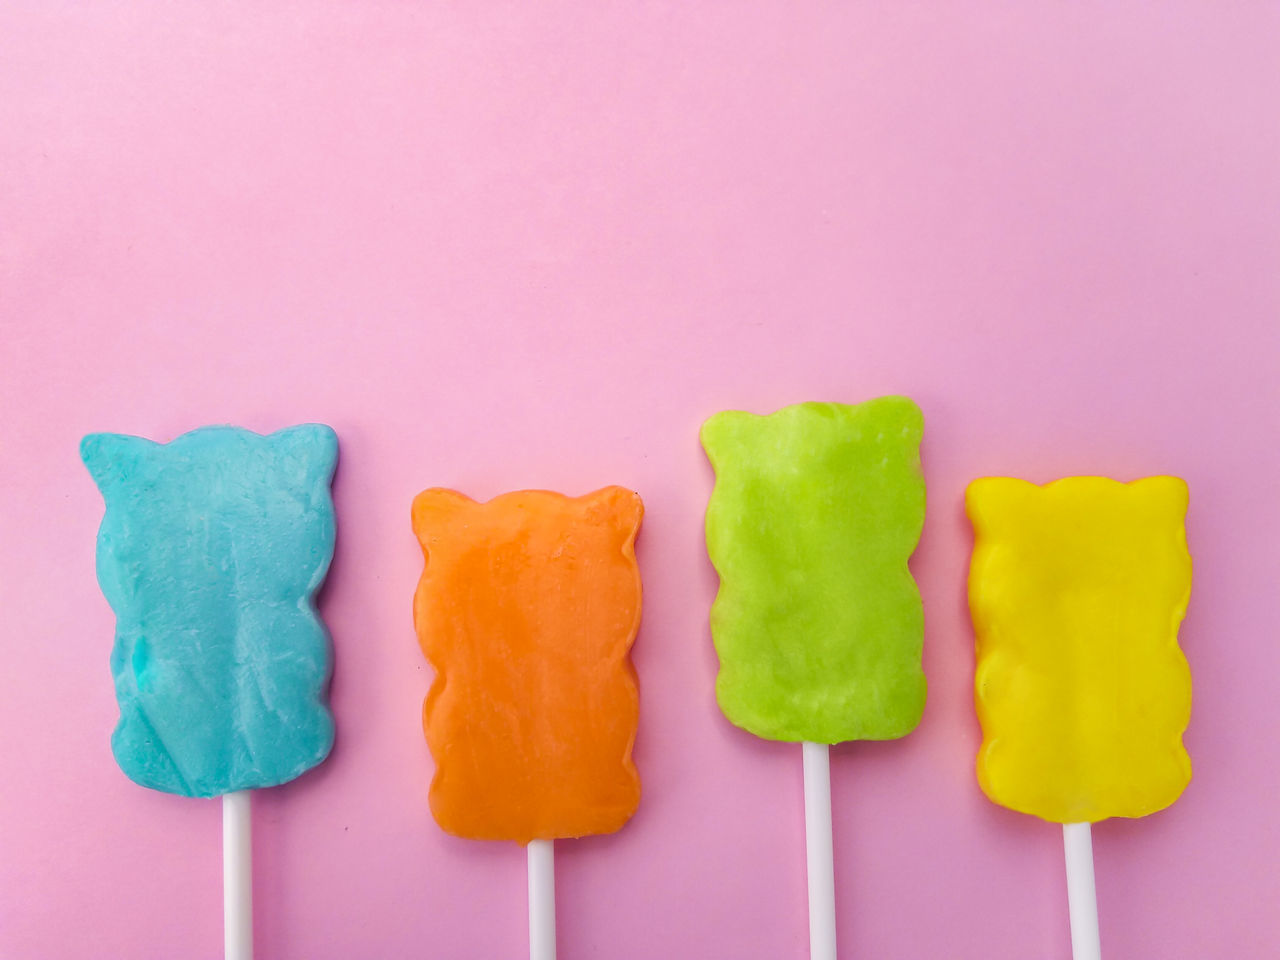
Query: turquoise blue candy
210	554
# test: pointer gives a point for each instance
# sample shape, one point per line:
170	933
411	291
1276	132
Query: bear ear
1166	495
313	445
724	430
437	507
996	503
623	508
905	412
114	458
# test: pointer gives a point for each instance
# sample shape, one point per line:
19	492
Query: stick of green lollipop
818	623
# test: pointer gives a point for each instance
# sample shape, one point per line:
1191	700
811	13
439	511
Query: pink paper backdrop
499	245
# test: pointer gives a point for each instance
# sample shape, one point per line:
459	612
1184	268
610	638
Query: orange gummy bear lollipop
527	608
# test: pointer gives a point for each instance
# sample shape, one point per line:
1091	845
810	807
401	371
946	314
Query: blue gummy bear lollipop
210	554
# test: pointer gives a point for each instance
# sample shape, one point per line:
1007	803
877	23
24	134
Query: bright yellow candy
1076	590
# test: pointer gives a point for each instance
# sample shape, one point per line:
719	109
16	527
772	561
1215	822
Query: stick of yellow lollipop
1076	590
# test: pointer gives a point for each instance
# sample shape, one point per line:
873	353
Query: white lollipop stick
542	900
817	841
237	876
1082	898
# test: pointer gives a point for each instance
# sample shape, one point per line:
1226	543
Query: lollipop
1076	590
818	622
527	608
210	554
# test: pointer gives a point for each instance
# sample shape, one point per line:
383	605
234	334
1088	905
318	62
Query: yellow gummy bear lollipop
1076	590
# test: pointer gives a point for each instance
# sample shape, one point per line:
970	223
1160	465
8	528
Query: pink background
499	245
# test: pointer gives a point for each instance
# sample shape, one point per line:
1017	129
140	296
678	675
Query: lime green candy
818	622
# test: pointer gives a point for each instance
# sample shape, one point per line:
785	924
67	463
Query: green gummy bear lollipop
818	622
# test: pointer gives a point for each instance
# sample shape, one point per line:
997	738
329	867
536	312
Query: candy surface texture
527	608
818	623
210	552
1076	590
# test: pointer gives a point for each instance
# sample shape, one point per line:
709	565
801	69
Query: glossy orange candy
527	608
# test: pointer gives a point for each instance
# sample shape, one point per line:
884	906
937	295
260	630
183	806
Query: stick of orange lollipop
527	608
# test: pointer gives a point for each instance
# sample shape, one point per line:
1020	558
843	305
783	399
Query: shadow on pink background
500	245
